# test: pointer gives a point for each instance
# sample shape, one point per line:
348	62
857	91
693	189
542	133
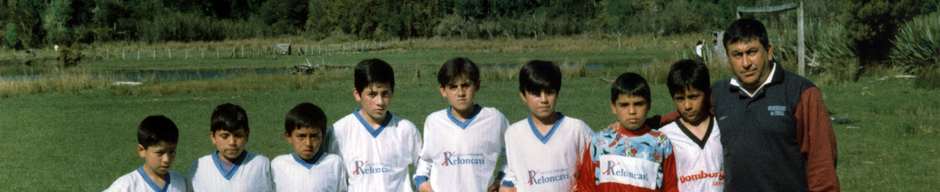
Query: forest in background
867	28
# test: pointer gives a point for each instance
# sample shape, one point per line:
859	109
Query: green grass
83	140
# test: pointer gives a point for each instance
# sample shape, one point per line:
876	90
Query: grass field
83	140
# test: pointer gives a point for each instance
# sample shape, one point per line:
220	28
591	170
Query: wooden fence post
138	54
154	53
169	54
122	53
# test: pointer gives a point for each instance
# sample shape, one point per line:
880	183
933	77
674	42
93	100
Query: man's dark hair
744	30
229	117
305	115
536	76
630	84
155	129
456	67
688	73
373	71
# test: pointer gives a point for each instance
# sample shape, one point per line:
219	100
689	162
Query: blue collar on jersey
465	123
375	133
312	161
235	164
166	184
546	137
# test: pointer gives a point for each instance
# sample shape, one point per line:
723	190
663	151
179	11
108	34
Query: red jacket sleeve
670	178
586	173
817	141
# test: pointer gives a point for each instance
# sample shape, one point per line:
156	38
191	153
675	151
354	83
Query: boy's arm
501	160
586	176
329	144
817	141
423	168
670	178
341	178
192	173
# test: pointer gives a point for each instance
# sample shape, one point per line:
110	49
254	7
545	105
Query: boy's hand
495	186
613	126
507	189
425	187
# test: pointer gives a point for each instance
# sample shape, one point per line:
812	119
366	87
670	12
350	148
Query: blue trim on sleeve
153	185
546	137
507	184
419	180
237	163
375	133
464	124
500	175
308	165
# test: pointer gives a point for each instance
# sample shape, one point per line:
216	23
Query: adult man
775	128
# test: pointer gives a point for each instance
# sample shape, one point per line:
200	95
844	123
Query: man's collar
770	77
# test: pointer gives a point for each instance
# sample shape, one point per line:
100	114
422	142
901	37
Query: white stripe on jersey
461	156
252	173
375	160
290	173
698	168
138	180
545	163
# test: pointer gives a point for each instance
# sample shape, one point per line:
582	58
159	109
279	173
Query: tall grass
105	84
65	83
917	46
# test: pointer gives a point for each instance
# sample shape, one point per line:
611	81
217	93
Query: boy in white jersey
695	136
376	146
156	143
308	168
464	142
230	168
543	151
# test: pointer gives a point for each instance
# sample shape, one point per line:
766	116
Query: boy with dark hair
156	143
376	146
633	157
542	151
771	116
464	142
694	136
230	168
308	168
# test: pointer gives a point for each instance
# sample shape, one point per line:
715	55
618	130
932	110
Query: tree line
35	23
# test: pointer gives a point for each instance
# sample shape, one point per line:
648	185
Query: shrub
916	46
10	36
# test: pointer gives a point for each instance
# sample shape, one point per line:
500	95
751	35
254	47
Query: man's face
749	61
375	99
230	144
306	141
630	110
691	104
158	157
460	92
542	103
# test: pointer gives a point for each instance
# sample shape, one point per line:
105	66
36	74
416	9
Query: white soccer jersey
547	162
698	162
138	180
250	172
375	160
461	156
290	173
